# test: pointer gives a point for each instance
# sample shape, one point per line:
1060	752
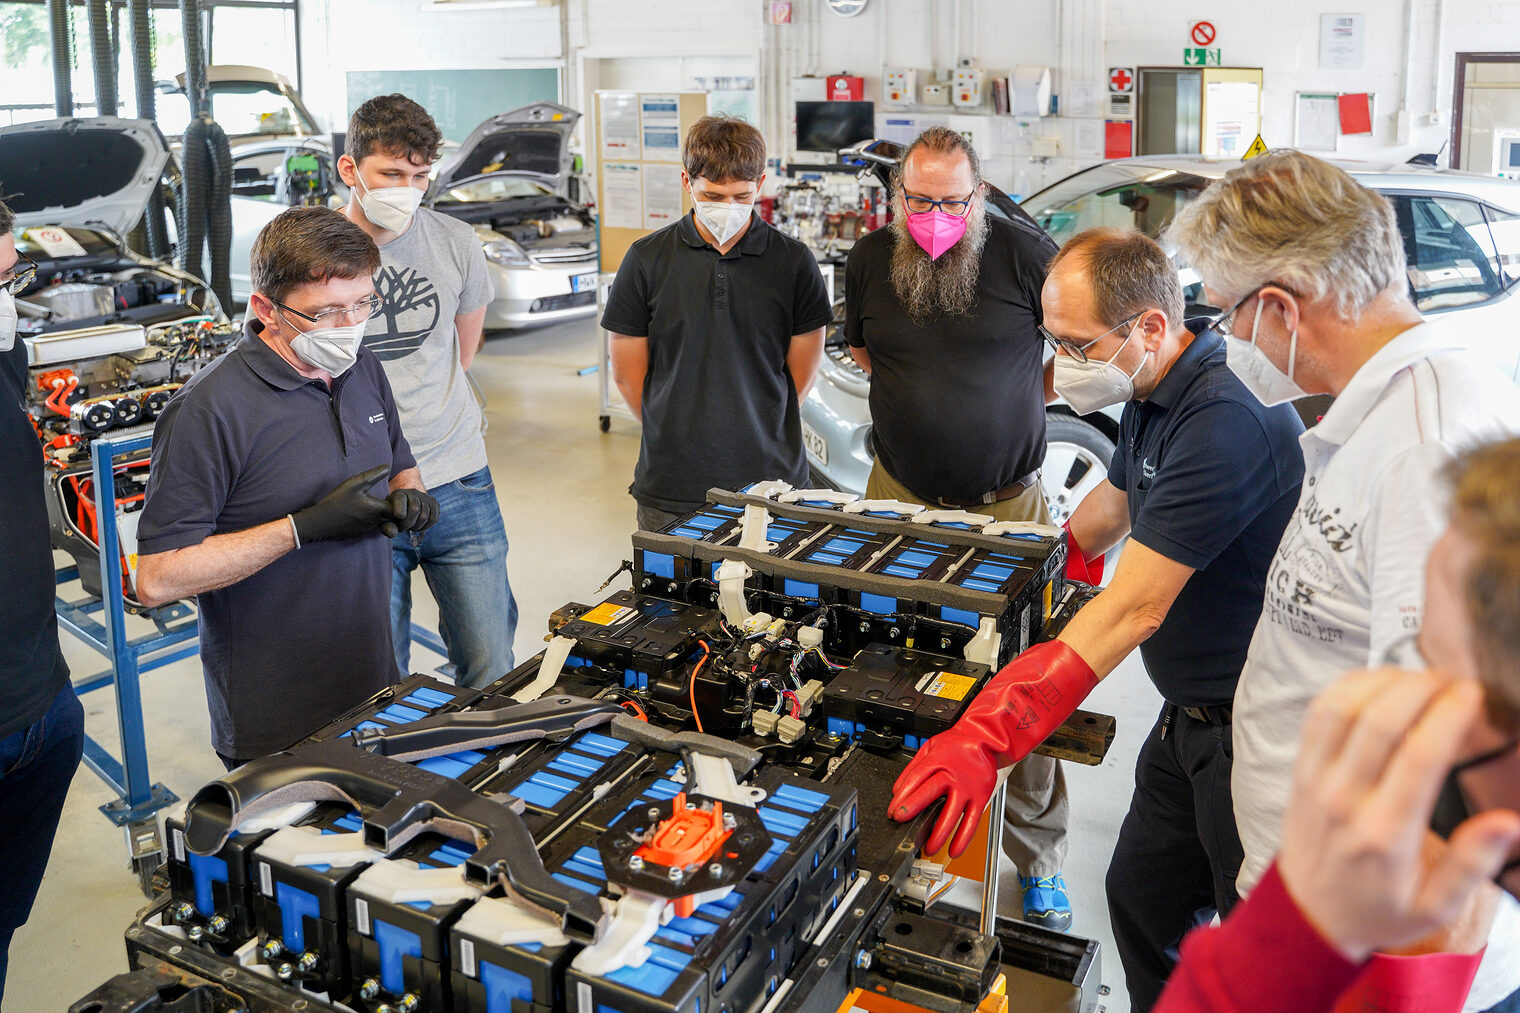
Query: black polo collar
265	361
1187	365
752	244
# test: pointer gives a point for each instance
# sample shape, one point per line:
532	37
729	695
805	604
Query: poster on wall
1317	125
620	125
622	196
1341	41
1232	117
662	196
660	126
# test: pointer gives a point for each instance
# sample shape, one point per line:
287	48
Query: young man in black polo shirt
942	309
1203	482
717	331
267	495
41	720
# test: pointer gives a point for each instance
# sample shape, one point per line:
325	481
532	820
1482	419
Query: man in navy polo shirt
267	495
1203	481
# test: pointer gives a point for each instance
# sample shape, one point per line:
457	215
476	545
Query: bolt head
196	933
654	813
218	924
272	949
182	912
284	971
308	961
408	1003
635	862
729	822
865	627
369	989
675	874
862	960
715	869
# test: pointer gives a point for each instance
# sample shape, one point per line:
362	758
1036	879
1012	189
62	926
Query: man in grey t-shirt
434	281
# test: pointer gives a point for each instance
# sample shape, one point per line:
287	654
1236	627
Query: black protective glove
410	510
349	511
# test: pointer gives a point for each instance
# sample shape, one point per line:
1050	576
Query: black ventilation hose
103	56
219	211
194	191
141	38
195	56
63	57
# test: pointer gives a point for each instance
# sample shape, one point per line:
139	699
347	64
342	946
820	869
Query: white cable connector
809	636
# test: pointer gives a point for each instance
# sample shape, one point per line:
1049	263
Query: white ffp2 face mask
1264	380
390	207
723	220
7	320
1092	386
334	349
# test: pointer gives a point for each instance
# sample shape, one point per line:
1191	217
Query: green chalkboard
460	100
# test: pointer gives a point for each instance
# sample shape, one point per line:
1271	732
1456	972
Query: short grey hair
1290	218
1126	272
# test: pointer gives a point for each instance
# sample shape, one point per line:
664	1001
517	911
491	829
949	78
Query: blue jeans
36	765
464	558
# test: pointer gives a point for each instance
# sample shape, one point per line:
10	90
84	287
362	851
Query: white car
1461	233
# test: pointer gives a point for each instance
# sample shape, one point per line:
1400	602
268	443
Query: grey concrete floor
563	491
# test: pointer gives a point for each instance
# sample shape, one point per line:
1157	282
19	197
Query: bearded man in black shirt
943	309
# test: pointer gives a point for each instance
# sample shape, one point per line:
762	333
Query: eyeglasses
919	205
19	277
1079	352
357	313
1224	324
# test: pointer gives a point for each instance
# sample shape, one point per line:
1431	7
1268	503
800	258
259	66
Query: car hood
114	164
532	141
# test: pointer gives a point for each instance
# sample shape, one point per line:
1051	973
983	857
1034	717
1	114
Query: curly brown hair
723	149
393	125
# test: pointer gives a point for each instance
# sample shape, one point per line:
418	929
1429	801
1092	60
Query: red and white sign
1202	33
1121	79
843	88
781	12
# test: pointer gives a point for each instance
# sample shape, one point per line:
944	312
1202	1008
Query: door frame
1458	82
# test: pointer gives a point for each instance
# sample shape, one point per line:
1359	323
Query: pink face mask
936	231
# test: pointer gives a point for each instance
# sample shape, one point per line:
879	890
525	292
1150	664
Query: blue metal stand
174	638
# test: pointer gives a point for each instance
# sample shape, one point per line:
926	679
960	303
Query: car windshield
493	188
241	107
1127	195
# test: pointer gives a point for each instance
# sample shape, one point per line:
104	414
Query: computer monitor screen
829	126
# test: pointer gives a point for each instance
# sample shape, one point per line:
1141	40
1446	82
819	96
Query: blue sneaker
1045	902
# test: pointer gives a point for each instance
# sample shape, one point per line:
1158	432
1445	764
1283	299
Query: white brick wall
1281	36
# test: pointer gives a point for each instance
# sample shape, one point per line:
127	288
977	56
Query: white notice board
620	126
660	119
1316	121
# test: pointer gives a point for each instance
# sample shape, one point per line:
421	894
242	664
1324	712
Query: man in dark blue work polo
267	496
1203	482
717	330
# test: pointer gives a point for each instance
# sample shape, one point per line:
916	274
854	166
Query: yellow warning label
948	685
608	614
1258	147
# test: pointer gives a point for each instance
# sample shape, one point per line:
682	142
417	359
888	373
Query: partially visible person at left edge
41	721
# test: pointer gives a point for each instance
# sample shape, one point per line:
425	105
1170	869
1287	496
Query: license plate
814	444
583	282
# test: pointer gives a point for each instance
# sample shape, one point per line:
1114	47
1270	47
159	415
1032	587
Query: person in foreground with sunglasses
279	475
1311	266
1387	757
1203	482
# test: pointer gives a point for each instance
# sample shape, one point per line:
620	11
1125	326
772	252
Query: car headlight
506	252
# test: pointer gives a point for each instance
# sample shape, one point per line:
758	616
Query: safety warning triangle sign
1258	147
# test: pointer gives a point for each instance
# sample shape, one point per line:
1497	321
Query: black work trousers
1178	851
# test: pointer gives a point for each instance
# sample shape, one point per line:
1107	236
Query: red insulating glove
1016	712
1078	566
1429	983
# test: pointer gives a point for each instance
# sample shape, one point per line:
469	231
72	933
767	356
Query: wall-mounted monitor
829	126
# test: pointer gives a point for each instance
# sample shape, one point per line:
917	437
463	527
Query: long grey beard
928	288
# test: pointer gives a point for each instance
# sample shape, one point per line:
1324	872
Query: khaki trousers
1037	810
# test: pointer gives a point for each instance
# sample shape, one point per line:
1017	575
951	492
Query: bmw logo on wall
847	8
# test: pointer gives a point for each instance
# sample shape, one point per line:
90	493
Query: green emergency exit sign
1195	57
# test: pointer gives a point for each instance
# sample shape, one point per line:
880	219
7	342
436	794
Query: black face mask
1452	808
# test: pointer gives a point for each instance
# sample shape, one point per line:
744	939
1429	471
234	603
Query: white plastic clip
833	496
548	670
756	522
983	648
953	517
1022	528
884	506
732	573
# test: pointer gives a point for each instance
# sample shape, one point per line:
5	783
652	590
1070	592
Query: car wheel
1077	454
